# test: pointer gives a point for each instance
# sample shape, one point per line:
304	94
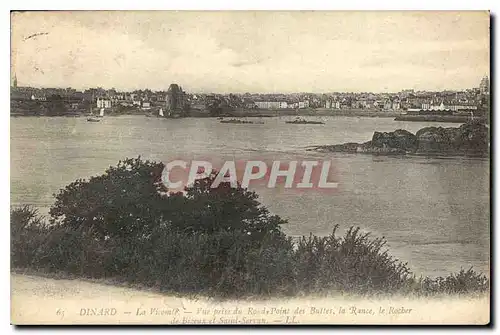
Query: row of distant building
176	99
408	99
172	99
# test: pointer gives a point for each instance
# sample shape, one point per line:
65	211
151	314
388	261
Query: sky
251	51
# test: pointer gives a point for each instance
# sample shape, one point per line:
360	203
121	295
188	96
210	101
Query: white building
103	103
464	107
262	104
270	104
441	107
426	106
332	104
432	107
38	98
304	104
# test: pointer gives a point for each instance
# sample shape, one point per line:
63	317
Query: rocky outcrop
346	147
470	139
400	139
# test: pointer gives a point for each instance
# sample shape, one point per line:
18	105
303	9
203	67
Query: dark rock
468	139
434	140
471	139
400	139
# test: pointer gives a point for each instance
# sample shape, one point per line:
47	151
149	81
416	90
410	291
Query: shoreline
437	118
436	155
212	117
247	113
237	115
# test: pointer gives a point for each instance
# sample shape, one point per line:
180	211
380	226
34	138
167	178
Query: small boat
302	121
96	118
236	121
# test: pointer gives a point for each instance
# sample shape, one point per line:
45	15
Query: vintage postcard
250	167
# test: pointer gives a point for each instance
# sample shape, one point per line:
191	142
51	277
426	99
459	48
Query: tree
214	107
123	202
226	208
130	201
56	105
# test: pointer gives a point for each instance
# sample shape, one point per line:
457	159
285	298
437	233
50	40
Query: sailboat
160	113
97	118
301	120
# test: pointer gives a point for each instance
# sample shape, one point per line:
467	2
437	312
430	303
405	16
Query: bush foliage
216	241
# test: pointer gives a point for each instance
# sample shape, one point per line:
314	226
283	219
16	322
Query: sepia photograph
250	167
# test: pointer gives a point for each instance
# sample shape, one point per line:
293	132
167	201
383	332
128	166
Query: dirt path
40	300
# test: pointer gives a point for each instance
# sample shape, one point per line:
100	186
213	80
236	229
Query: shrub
459	283
226	208
124	201
352	263
27	231
228	263
220	242
130	200
74	252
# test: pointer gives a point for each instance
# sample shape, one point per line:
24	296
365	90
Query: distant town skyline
255	52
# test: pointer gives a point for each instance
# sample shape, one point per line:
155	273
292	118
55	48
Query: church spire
14	84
